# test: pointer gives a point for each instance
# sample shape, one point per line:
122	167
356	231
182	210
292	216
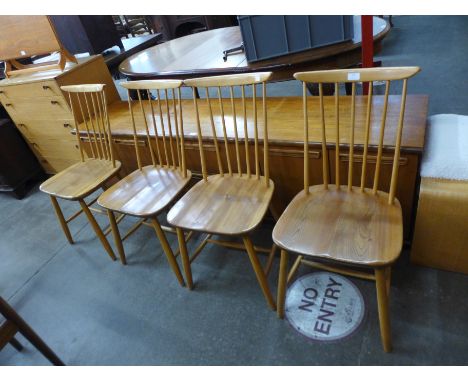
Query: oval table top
201	54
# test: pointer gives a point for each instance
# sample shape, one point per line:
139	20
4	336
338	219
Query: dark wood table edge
258	66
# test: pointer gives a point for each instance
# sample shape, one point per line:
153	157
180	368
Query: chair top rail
229	80
358	75
84	88
151	84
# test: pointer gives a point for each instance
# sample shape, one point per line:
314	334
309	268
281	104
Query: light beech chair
149	190
88	103
346	225
231	203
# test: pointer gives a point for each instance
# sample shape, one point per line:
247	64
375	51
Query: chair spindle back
88	103
355	76
242	81
165	117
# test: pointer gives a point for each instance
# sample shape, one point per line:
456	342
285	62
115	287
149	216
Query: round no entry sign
324	306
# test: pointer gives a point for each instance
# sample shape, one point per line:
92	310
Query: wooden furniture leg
388	276
167	250
9	313
61	219
259	272
382	300
271	257
185	258
16	344
117	238
282	283
97	229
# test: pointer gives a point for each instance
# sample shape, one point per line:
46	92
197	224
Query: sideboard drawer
59	148
30	90
44	108
55	128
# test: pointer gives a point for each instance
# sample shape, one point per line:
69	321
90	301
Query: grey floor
93	311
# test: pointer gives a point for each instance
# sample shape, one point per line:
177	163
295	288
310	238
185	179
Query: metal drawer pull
21	125
66	125
1	92
129	142
8	104
314	154
54	102
371	159
45	87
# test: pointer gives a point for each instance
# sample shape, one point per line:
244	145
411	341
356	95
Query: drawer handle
45	87
66	125
314	154
371	159
21	125
129	143
8	104
1	92
54	102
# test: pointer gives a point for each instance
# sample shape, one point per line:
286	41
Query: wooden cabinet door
287	172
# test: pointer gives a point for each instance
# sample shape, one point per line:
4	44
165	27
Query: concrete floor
93	311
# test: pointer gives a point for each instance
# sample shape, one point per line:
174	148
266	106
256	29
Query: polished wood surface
201	54
26	36
80	179
358	75
352	76
149	190
440	236
229	205
88	103
286	131
352	225
349	227
144	192
285	123
229	80
42	113
132	45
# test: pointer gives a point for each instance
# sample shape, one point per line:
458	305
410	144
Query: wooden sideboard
41	111
285	126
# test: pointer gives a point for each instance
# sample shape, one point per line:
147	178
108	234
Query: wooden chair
13	324
149	190
88	103
229	203
349	226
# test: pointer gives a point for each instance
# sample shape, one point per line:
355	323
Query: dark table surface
201	54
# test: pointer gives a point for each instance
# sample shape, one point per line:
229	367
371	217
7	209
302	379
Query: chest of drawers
42	113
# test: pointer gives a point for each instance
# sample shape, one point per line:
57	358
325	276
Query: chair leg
117	238
167	250
382	300
389	280
282	282
271	257
262	280
97	229
185	258
10	314
16	344
61	218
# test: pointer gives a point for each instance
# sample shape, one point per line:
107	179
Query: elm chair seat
144	192
223	205
80	179
349	227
